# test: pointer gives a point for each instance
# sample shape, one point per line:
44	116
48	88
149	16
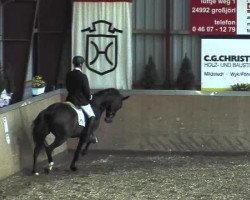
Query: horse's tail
41	126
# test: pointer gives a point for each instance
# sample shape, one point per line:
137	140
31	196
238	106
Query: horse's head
113	106
108	100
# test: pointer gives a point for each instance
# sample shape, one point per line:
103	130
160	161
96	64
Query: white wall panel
180	14
1	33
149	15
182	44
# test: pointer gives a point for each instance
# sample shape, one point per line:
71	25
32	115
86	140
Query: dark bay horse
61	120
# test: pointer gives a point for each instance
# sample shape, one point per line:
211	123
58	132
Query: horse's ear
124	98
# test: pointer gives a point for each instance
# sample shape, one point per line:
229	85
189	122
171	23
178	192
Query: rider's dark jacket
77	85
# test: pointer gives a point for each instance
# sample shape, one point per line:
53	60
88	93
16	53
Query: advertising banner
220	17
224	65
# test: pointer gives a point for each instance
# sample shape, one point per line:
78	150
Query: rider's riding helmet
78	61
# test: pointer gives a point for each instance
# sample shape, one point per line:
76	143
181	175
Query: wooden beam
180	32
149	32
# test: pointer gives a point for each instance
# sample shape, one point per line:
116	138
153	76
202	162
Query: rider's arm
86	88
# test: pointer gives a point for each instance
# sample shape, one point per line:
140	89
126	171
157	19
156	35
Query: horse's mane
108	91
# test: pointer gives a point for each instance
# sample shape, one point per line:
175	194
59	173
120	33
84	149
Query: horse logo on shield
101	48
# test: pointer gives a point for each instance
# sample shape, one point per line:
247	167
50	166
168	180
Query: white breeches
88	110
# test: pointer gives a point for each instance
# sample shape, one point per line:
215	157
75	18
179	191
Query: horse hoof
35	173
51	166
94	140
73	168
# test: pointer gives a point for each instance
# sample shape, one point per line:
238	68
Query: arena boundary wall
179	122
149	121
16	143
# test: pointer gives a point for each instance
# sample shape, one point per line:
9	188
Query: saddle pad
81	117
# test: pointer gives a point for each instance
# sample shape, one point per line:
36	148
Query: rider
77	85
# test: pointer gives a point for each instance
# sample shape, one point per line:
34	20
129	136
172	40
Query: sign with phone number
220	17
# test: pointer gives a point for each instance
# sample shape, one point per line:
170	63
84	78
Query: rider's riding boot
90	134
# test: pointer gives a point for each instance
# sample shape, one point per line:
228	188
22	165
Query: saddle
79	112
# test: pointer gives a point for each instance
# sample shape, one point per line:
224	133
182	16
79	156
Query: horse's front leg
84	151
76	155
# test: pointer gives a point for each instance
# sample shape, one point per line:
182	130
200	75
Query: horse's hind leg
49	149
37	150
